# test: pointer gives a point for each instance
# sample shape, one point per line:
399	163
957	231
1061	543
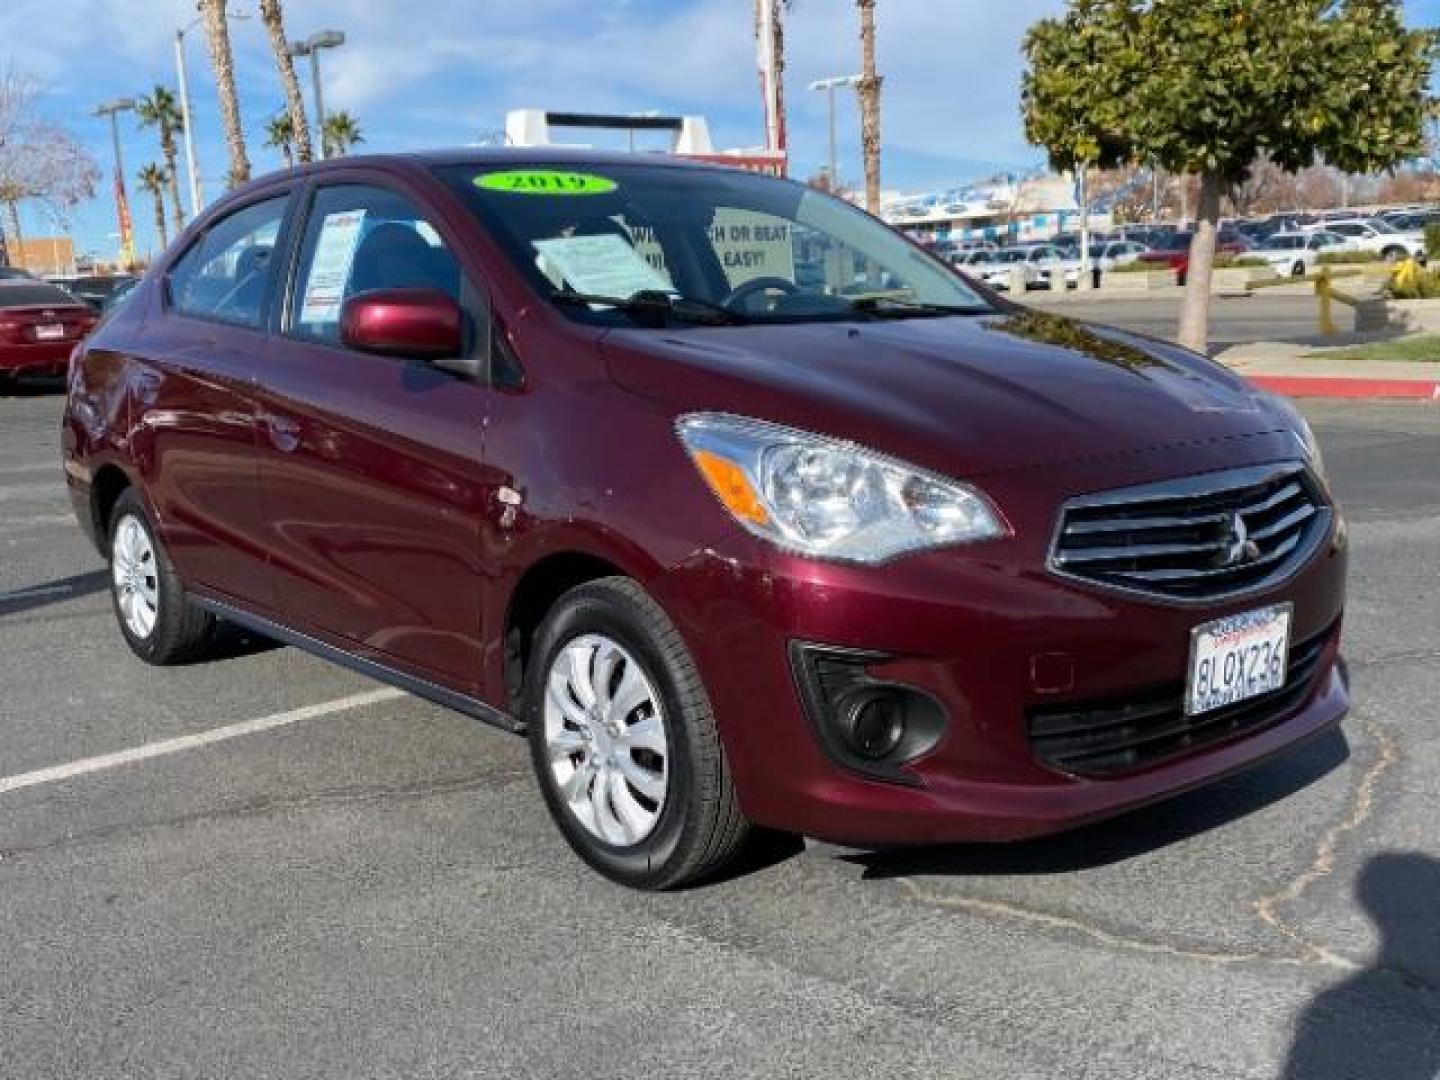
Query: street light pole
122	202
830	86
311	46
192	169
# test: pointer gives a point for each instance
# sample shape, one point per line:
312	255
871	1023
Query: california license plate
1238	658
50	332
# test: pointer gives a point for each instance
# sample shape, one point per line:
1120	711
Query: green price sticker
545	182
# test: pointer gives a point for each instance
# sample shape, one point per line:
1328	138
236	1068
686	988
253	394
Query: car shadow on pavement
31	387
1136	833
30	597
1385	1021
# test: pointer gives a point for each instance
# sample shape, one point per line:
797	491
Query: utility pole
311	46
122	202
829	86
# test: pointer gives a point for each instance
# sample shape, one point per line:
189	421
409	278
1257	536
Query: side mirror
423	324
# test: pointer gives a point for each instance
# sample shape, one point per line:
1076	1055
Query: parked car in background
39	324
518	432
16	273
1103	258
1034	261
1383	239
1298	253
94	289
1174	251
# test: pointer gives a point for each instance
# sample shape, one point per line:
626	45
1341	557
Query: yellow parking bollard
1324	289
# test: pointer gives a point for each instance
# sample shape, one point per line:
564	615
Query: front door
370	466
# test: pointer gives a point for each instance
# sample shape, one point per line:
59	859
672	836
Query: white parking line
26	491
57	773
33	467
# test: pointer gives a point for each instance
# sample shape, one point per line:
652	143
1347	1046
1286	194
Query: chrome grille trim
1170	540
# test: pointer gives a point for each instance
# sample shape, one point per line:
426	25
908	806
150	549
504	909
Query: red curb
1321	386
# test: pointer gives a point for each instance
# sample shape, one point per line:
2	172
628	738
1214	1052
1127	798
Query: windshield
765	250
37	295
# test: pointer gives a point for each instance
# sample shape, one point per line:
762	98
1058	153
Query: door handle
284	432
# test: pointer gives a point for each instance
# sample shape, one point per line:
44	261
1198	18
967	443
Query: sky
427	73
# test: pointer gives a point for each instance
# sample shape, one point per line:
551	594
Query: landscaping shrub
1412	282
1349	258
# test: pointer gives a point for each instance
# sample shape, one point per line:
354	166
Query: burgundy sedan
39	326
747	511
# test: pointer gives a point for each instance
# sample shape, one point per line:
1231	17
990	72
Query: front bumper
992	636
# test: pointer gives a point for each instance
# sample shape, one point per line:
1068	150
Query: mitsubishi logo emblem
1239	548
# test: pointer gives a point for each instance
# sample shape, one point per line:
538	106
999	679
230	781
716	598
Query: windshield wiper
895	306
659	306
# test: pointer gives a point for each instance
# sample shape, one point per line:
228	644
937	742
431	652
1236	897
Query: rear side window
23	296
226	274
358	239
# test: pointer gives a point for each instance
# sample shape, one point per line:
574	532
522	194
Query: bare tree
39	160
295	104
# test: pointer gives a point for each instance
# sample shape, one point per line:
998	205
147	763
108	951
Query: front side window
755	248
226	274
358	239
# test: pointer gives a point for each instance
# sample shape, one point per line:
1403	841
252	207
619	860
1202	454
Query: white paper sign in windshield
749	245
603	265
330	267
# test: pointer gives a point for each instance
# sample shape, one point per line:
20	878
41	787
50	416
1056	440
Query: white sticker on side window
330	267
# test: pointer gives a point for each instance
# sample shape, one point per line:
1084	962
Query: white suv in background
1298	253
1379	236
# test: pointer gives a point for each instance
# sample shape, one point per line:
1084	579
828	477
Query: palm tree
295	103
777	44
869	91
160	111
154	179
217	35
280	135
340	134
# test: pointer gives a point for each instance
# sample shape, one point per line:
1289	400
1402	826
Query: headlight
830	499
1305	435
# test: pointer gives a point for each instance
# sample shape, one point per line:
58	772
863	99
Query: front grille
1110	738
1199	538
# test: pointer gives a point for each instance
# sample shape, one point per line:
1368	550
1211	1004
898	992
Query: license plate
1238	658
50	332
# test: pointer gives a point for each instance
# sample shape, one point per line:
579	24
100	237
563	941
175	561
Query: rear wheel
1298	270
1394	254
157	620
624	743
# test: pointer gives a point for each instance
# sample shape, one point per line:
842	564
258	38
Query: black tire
1394	255
181	631
700	828
1298	270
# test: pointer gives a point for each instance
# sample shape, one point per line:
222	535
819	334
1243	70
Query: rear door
193	422
370	466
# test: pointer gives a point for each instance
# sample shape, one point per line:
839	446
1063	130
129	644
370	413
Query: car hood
963	395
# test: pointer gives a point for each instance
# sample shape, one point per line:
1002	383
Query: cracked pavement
378	892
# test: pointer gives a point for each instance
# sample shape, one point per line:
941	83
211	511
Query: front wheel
157	620
624	743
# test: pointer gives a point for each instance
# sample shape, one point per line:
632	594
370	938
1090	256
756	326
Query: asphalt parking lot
360	884
1234	320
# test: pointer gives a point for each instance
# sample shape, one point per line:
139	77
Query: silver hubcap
606	740
137	586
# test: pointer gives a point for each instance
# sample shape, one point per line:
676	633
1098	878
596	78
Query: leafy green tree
1208	87
153	178
280	135
341	132
160	110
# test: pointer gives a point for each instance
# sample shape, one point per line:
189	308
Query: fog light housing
867	725
874	723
